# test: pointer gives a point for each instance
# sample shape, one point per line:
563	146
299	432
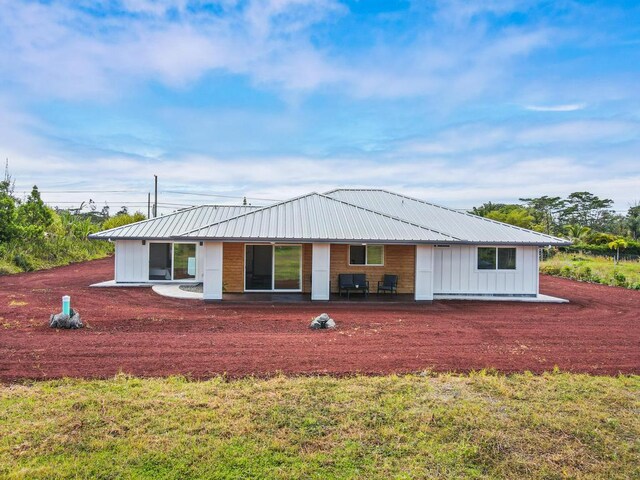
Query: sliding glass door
287	267
258	267
273	267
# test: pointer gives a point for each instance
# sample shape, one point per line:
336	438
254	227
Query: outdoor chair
389	283
353	282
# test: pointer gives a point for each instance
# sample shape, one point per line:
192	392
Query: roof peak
331	199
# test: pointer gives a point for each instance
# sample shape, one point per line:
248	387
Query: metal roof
166	226
361	215
316	217
468	228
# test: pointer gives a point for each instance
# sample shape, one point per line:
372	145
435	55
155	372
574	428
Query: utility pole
155	203
148	204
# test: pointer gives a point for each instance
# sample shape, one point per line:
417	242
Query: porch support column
212	279
320	271
423	290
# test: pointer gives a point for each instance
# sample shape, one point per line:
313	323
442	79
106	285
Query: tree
510	213
518	216
577	233
617	244
633	221
545	210
33	216
7	218
122	219
584	208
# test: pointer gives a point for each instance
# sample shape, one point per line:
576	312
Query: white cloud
58	50
568	107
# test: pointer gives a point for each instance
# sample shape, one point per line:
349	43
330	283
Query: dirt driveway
136	331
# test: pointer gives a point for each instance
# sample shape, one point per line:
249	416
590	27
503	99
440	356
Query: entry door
273	267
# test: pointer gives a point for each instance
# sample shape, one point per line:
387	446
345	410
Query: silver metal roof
316	217
361	215
466	227
166	226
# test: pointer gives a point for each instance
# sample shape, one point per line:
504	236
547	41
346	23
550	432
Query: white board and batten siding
320	271
424	273
132	261
455	272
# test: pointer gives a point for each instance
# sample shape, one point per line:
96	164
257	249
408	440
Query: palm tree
577	233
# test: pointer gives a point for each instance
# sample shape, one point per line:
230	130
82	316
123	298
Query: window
500	258
159	261
184	261
366	254
172	261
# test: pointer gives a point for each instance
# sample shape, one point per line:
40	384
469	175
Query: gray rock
62	320
323	321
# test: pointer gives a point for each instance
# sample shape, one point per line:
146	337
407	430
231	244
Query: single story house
303	244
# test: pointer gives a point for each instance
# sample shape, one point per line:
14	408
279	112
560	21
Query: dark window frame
366	256
497	260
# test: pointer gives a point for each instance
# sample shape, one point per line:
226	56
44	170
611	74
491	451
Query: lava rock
322	321
62	320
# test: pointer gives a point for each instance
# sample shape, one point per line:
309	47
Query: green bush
24	262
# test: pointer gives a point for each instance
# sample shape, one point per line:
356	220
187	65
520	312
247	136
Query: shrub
24	262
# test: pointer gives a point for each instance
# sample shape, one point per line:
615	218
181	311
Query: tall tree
586	209
545	210
633	221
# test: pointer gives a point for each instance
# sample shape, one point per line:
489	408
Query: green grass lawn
556	425
593	269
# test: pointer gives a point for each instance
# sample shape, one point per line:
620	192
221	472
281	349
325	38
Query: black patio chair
389	283
352	282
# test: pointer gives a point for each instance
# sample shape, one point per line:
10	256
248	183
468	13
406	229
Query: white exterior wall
199	262
132	261
424	273
320	271
456	272
212	283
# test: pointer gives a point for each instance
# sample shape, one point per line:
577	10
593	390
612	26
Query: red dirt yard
133	330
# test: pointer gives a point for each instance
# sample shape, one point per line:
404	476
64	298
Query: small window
506	259
496	258
357	255
486	258
366	254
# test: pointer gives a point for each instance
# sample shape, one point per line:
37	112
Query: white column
212	280
320	271
424	273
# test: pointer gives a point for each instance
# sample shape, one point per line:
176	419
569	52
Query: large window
366	254
169	261
184	261
496	258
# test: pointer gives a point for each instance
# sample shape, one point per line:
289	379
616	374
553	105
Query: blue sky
452	101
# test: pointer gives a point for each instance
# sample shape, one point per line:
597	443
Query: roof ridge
393	217
448	209
386	215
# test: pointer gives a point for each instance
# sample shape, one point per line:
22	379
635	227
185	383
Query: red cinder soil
135	331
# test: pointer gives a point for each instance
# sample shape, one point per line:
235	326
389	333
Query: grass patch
594	269
478	426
